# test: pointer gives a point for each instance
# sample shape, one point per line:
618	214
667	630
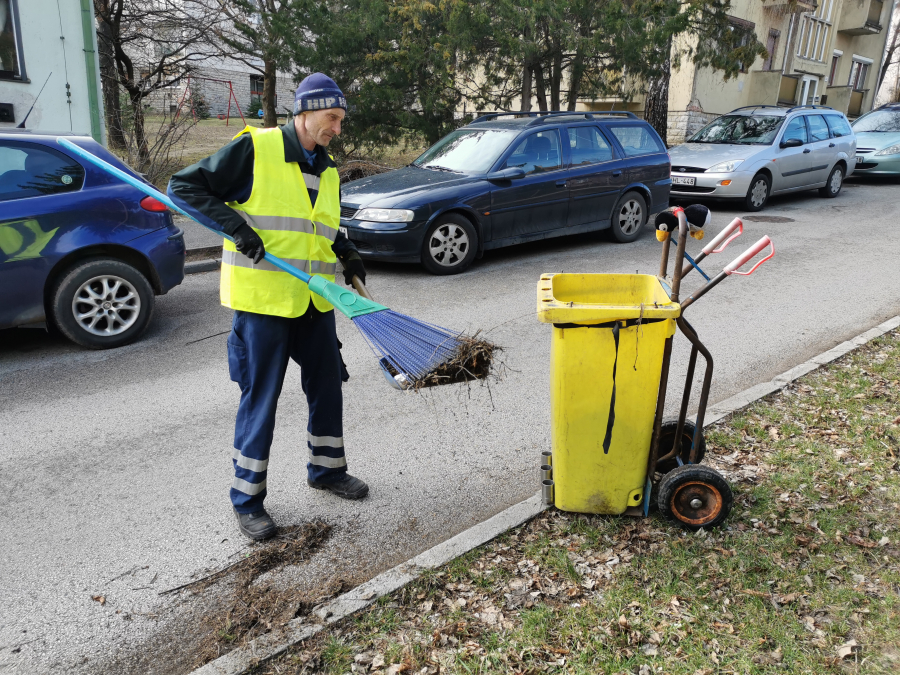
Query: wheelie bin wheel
667	437
695	496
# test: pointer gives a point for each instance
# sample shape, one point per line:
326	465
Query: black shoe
257	526
347	487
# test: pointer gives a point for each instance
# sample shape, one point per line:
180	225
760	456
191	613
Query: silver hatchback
754	152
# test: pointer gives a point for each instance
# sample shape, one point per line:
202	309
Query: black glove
354	267
248	242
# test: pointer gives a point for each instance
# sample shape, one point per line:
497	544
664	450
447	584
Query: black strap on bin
612	399
615	333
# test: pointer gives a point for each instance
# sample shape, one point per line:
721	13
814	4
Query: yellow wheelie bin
609	371
609	332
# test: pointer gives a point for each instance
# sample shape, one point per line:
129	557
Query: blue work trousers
259	348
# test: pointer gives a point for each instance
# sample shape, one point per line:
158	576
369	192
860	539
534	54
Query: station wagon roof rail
810	107
540	116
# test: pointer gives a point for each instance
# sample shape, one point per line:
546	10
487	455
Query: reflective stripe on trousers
326	451
309	266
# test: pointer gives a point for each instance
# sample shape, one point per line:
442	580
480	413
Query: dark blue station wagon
509	178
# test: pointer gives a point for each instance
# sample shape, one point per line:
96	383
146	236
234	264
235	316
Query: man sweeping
278	190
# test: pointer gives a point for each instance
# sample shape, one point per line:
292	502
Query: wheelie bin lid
595	298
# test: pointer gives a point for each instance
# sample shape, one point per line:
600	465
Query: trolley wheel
695	496
666	439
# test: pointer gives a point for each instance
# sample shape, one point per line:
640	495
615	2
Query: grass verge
803	578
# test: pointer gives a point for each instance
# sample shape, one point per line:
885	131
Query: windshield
740	129
467	150
887	121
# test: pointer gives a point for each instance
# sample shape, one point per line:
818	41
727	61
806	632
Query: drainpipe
90	67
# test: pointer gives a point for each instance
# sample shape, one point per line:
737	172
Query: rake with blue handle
409	347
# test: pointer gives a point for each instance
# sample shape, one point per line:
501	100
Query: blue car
509	178
79	248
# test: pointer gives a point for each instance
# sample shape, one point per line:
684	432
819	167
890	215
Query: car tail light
151	204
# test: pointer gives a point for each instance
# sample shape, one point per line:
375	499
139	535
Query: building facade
51	46
821	52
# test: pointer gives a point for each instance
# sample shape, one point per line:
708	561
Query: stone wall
685	123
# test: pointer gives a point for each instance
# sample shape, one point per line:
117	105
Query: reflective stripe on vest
308	266
286	224
291	227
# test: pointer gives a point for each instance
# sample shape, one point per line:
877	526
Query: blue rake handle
151	191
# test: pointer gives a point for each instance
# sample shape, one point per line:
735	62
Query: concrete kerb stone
201	266
242	659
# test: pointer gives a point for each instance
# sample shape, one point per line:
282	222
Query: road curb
242	659
202	266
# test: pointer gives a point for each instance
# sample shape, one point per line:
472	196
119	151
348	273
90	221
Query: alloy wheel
448	245
631	217
106	305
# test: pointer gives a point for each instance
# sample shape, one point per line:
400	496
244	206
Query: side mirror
791	143
509	173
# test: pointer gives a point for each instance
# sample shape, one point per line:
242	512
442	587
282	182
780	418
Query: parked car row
87	253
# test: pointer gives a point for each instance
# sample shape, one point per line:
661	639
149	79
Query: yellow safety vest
281	213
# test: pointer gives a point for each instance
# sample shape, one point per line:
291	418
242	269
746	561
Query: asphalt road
117	464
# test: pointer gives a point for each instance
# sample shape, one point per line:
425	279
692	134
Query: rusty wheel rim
684	503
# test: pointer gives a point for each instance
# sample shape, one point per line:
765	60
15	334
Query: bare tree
254	36
153	44
891	52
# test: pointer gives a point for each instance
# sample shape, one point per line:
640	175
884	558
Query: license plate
343	231
683	180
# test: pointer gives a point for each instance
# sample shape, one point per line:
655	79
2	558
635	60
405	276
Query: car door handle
560	183
831	145
616	174
807	151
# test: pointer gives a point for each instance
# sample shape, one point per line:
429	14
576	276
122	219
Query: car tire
758	192
834	184
629	217
102	303
450	245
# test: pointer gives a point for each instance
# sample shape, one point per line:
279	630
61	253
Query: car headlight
893	150
725	167
385	215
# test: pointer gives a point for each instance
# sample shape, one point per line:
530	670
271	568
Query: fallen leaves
99	598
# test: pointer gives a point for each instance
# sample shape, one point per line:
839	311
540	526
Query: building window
256	90
771	47
11	67
835	61
815	31
745	29
858	72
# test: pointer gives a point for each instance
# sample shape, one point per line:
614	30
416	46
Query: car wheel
758	194
450	245
835	182
102	303
629	217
